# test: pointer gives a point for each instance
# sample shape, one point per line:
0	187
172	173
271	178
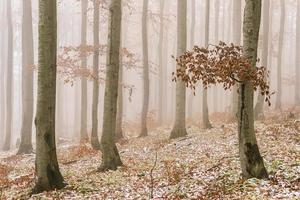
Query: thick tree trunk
205	112
259	107
160	61
280	52
297	64
237	36
27	79
251	161
9	81
144	130
47	169
179	127
110	155
94	136
83	119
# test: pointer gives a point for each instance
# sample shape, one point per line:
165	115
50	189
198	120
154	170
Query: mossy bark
110	155
47	169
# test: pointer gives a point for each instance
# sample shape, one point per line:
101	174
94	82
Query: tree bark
83	119
279	60
47	169
297	64
144	130
215	88
27	79
179	127
119	123
259	107
2	75
205	112
251	161
94	136
110	155
9	80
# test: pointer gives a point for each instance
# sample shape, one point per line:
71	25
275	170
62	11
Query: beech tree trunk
47	169
9	80
27	79
144	130
110	155
205	112
251	161
160	61
297	65
215	88
237	36
259	107
94	136
2	75
279	60
179	127
83	119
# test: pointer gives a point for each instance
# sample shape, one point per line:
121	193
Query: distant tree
94	136
27	79
47	169
9	80
83	119
280	53
146	81
297	64
110	155
179	127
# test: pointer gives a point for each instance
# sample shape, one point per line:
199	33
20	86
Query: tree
146	81
47	169
179	127
94	136
217	16
27	79
251	161
83	119
110	155
280	53
259	107
205	112
297	89
160	61
9	80
237	37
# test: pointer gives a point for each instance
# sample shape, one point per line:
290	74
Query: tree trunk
280	52
259	107
205	112
94	136
27	79
251	161
110	155
160	61
47	169
297	64
2	74
215	88
144	130
119	130
237	35
179	128
83	120
9	80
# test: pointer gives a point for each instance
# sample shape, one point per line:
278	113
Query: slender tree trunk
192	43
280	52
215	88
160	58
94	136
9	81
251	161
205	112
259	107
27	79
83	120
144	130
297	65
237	36
47	169
179	127
110	155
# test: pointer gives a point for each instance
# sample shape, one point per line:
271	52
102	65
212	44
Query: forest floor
203	165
